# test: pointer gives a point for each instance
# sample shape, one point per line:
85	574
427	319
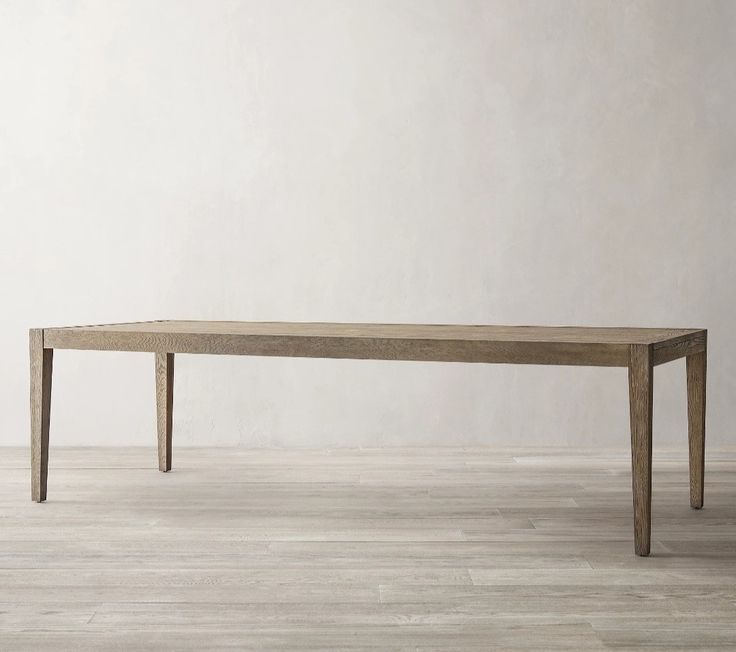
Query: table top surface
559	334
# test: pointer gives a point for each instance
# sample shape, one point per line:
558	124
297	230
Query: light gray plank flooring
393	549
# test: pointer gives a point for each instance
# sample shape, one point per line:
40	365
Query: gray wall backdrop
505	162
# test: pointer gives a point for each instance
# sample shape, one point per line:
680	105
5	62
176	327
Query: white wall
471	162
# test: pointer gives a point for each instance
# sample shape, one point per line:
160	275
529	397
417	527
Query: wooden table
638	349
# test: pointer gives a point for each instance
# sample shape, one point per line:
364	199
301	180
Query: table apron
358	348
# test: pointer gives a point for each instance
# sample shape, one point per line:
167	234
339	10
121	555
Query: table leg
696	368
641	376
41	370
164	407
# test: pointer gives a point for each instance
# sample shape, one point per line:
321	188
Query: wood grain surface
164	408
641	400
449	343
696	375
41	360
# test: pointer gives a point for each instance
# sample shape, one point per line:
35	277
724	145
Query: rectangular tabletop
564	345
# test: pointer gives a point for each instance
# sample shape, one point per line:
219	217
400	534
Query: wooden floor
420	549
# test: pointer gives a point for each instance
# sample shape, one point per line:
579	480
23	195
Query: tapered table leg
41	370
641	375
696	369
164	407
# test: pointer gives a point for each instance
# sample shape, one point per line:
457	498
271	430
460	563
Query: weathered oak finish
696	374
678	347
164	407
41	368
557	345
638	349
641	385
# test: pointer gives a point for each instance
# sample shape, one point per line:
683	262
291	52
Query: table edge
375	348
